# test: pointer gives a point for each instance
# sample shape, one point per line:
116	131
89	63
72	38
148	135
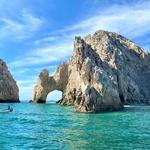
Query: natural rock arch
47	84
105	71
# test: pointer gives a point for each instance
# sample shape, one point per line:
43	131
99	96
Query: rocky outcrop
8	88
105	72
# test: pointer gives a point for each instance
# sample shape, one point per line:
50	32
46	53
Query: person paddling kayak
10	109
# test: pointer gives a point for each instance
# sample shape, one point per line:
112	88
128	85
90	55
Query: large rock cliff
105	72
8	88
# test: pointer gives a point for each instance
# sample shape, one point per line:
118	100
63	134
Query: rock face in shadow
106	71
9	91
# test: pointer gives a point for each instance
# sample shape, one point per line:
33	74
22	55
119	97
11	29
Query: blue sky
38	34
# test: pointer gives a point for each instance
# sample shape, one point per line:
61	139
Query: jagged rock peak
105	72
9	91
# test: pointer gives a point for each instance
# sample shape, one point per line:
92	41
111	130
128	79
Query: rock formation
105	72
8	88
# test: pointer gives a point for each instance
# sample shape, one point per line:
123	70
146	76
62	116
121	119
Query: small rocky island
105	72
9	91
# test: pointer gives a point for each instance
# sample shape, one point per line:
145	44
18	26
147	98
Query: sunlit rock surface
9	91
106	71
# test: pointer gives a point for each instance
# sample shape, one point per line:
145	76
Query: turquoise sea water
52	127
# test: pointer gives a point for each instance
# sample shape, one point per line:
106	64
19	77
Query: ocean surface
55	127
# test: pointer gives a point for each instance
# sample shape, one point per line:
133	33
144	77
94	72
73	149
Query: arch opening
54	96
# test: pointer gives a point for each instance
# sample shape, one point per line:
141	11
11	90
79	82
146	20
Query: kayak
5	111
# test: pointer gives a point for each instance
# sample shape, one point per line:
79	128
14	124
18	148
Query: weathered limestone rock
106	71
8	88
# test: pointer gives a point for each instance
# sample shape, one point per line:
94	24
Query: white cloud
45	40
45	55
20	29
26	82
131	21
20	71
